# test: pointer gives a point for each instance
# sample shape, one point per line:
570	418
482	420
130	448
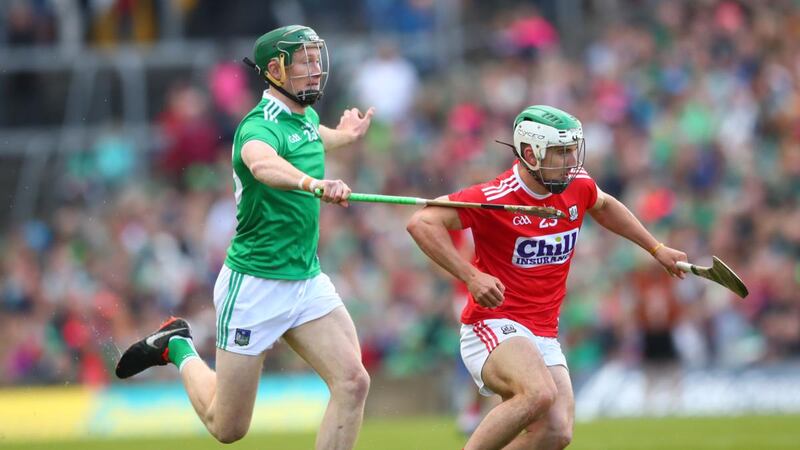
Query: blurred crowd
691	112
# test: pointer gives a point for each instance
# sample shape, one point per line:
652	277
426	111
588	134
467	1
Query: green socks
181	350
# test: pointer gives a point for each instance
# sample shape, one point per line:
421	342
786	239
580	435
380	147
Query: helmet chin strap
305	98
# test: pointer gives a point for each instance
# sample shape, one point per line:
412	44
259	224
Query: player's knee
561	438
359	384
538	402
226	431
355	384
559	431
564	440
229	435
547	398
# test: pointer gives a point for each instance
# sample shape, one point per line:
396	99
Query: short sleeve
261	131
469	216
588	191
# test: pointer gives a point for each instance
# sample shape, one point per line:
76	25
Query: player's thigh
561	416
516	367
237	383
329	344
252	313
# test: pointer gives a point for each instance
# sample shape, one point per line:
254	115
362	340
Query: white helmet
542	126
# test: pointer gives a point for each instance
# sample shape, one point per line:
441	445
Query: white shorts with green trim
479	339
253	313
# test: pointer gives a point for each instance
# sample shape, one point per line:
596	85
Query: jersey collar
283	106
525	186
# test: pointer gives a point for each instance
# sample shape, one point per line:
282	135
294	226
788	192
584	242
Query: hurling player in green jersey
271	285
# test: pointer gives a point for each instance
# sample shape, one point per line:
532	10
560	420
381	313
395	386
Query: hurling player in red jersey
517	280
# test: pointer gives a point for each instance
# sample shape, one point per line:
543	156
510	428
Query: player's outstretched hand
668	257
486	290
354	122
333	191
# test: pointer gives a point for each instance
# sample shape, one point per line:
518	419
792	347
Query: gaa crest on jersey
573	212
535	251
521	219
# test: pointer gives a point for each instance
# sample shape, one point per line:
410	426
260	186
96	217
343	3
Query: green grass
745	433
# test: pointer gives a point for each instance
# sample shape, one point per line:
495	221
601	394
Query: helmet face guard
560	162
305	54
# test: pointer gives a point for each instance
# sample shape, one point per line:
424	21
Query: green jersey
277	231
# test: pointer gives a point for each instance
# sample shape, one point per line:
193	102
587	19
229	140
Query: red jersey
529	254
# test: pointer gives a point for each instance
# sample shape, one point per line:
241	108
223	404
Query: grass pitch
434	433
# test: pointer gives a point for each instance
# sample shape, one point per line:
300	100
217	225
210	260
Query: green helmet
542	127
281	44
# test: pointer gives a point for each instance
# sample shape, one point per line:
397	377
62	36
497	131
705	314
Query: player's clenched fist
334	191
486	290
668	257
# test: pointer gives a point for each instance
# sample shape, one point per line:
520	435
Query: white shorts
480	338
253	313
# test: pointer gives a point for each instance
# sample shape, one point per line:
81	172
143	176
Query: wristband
305	183
655	249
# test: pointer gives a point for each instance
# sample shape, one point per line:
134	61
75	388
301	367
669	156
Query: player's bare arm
269	168
616	217
428	227
352	126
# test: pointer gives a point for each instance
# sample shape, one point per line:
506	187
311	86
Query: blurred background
116	121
